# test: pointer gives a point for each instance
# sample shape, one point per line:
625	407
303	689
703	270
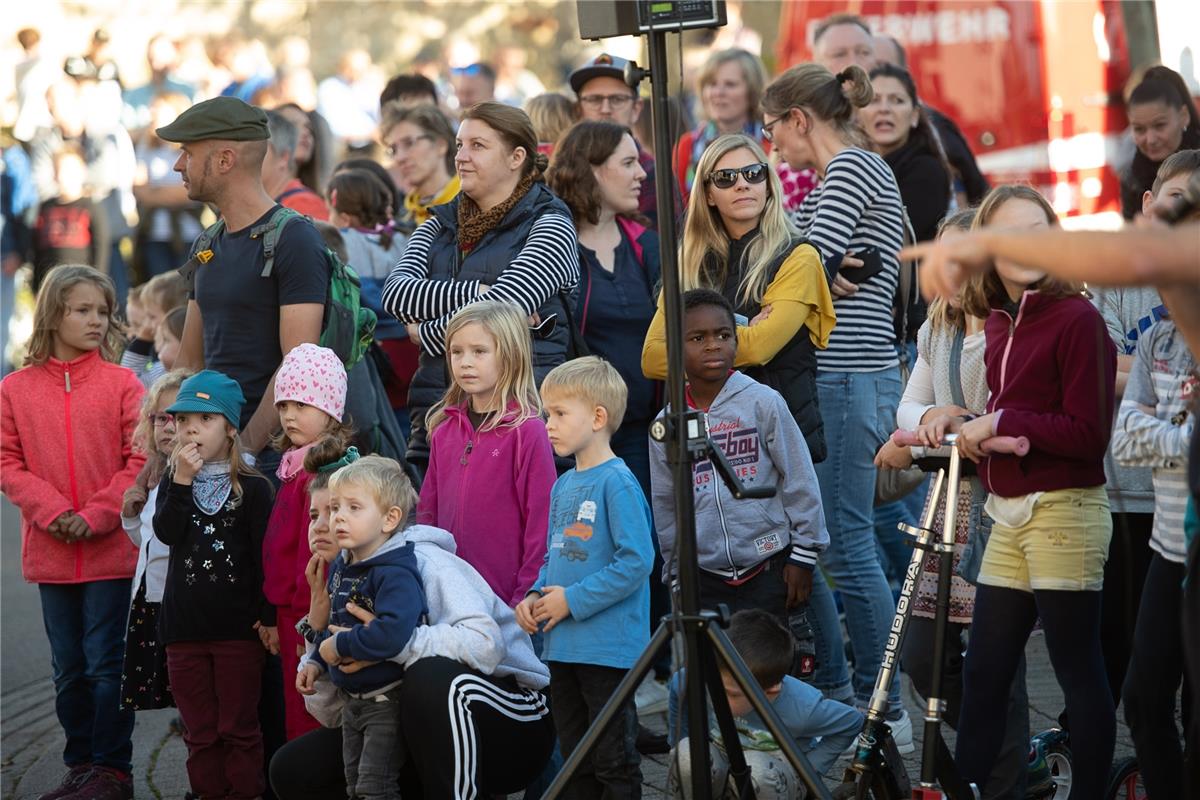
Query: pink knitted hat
313	375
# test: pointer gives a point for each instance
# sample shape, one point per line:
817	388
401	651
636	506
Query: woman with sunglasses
855	219
738	241
420	142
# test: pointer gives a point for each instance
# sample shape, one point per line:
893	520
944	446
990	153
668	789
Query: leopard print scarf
473	224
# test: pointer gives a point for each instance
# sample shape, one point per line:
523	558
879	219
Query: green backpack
348	327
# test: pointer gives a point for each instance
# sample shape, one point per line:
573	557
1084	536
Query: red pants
216	687
297	720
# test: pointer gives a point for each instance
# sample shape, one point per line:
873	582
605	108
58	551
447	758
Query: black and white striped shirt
547	263
857	206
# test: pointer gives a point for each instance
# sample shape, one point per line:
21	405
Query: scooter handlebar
996	445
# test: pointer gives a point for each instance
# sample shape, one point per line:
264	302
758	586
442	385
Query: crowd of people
404	534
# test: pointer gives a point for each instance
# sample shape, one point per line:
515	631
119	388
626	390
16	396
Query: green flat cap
219	118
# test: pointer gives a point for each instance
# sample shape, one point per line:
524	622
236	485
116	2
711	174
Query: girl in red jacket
66	458
1051	369
310	395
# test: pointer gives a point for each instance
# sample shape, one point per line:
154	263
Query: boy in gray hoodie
752	553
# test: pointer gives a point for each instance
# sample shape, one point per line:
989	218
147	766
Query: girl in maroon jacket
1051	369
66	459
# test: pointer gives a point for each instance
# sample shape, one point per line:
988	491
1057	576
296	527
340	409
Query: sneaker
902	733
74	778
651	697
105	783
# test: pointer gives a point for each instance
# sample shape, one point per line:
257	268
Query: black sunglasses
725	178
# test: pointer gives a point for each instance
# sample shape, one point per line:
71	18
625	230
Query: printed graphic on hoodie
741	446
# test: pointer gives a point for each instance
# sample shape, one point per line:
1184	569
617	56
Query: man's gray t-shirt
1128	313
240	309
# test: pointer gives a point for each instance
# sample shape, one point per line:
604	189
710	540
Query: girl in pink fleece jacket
66	459
491	468
310	395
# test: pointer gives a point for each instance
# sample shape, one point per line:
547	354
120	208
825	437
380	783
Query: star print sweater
215	574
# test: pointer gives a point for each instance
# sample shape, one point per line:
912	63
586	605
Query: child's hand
524	611
799	584
306	679
75	528
314	573
58	529
552	608
972	435
329	651
269	636
134	501
893	456
187	463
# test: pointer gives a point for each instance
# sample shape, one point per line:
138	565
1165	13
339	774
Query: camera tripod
685	435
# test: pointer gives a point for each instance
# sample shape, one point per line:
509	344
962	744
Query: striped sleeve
410	296
546	265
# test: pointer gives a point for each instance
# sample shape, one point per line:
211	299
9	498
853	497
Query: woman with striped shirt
855	220
505	236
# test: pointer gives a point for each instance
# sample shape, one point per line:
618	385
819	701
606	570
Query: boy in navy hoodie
376	570
752	553
592	596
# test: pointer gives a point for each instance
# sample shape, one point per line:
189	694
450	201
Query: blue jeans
85	623
859	412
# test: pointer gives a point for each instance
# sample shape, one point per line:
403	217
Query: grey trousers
372	747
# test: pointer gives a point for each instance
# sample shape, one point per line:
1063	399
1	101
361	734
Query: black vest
490	256
793	370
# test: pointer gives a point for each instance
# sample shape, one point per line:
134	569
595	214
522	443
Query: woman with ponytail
506	236
855	219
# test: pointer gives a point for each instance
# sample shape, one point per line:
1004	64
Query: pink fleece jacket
66	432
285	547
491	490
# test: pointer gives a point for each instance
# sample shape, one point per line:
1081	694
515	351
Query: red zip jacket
1052	372
66	432
285	547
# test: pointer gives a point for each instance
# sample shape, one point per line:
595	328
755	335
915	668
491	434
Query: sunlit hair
384	478
516	394
752	73
705	249
981	293
593	381
52	304
819	93
942	314
329	449
551	114
143	434
1182	162
167	291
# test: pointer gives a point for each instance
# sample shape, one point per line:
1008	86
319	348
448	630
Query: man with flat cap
239	322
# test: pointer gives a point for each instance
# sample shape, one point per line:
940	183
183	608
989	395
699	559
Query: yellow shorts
1063	546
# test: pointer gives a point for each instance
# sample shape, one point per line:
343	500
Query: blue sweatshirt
388	584
600	550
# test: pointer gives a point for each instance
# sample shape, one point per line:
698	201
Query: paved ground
31	741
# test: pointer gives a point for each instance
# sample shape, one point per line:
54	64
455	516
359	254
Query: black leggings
1007	780
1003	620
496	742
1153	679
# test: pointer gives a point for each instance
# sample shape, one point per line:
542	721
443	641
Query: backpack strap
270	231
201	253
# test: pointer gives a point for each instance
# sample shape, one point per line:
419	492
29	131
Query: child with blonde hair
213	515
66	457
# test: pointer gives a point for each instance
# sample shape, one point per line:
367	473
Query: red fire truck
1035	85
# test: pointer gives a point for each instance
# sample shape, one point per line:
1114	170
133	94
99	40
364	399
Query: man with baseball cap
239	322
603	95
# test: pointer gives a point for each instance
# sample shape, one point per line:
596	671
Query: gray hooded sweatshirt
751	423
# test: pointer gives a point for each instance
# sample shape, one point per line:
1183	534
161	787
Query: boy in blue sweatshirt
378	571
752	553
821	728
592	596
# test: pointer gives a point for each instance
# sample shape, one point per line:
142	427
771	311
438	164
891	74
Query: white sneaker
902	733
651	697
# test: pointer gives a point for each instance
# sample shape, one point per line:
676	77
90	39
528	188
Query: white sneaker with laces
651	697
902	733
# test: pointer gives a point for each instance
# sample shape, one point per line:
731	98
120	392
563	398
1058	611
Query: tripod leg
737	668
738	770
624	692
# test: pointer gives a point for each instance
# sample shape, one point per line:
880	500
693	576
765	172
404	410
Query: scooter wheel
1050	771
1125	782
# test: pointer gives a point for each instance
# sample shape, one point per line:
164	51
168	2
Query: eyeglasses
767	133
159	420
725	178
615	101
404	145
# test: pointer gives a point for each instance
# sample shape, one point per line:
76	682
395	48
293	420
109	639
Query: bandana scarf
211	486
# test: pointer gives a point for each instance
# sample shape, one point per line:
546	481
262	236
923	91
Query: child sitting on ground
592	595
822	728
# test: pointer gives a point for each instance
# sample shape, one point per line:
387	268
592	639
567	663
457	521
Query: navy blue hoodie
388	584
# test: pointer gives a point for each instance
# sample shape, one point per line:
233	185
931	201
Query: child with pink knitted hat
310	395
